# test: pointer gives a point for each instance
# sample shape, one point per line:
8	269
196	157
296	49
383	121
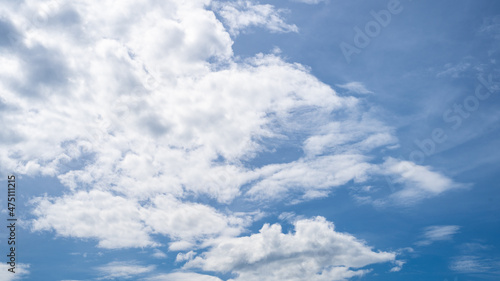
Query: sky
242	140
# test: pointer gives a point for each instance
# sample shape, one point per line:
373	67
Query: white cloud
315	251
21	271
355	87
175	116
117	222
137	108
438	233
123	270
335	153
474	264
454	71
159	254
473	247
181	257
113	220
190	222
122	113
418	182
241	14
491	25
398	266
360	132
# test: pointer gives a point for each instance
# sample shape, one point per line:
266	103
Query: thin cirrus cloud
310	1
242	14
438	233
355	88
159	254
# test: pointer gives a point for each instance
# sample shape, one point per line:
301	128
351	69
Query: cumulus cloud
181	257
438	233
141	109
398	266
241	14
314	251
152	112
129	112
117	222
187	223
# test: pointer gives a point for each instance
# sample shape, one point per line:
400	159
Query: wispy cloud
355	87
123	270
143	111
398	266
113	220
159	254
438	233
181	257
475	264
491	25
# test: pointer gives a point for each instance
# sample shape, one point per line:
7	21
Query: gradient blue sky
211	140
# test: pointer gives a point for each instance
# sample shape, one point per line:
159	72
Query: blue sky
243	140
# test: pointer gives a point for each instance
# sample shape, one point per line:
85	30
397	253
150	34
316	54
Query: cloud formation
183	276
314	251
310	1
419	182
21	271
438	233
117	222
475	264
142	110
241	14
355	87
